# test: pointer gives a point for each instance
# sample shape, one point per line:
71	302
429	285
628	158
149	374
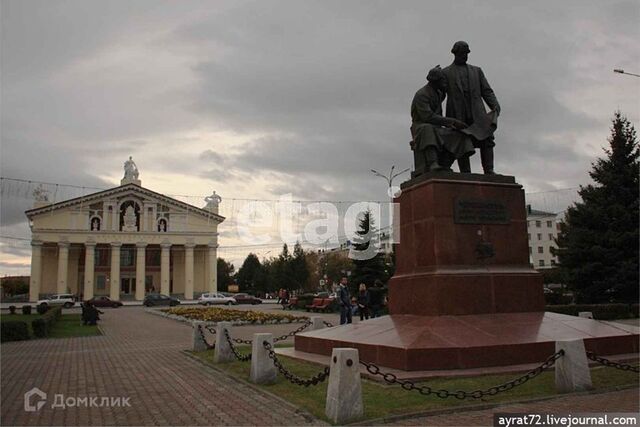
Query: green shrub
12	309
556	298
600	311
14	330
26	309
635	308
43	325
42	308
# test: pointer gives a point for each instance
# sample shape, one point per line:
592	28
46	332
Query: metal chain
204	339
612	364
293	378
241	357
292	333
276	339
408	385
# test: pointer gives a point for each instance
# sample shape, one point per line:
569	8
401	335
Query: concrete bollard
585	314
344	392
263	371
572	369
317	323
223	351
198	341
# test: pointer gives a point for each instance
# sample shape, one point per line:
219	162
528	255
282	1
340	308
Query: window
529	236
101	257
529	250
538	224
539	236
553	261
551	237
541	263
549	224
540	250
126	257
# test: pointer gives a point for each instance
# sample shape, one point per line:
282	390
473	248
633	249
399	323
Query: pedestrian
375	299
363	302
280	295
344	301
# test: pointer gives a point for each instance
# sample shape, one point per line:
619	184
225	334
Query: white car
215	298
65	300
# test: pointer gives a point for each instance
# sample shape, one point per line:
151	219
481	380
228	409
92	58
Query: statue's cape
483	128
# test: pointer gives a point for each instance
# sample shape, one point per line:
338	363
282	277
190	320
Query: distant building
542	228
123	242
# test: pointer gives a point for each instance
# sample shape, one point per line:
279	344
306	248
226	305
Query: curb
159	312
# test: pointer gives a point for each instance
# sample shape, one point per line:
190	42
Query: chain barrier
204	339
276	339
612	364
241	357
293	378
408	385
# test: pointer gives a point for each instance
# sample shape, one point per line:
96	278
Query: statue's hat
460	46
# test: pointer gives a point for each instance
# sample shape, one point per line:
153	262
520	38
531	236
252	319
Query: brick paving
138	357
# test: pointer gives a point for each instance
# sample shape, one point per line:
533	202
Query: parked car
157	299
247	299
104	301
65	300
215	298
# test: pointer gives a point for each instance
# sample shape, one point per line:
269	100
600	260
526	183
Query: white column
140	270
89	261
114	277
36	271
188	271
165	268
212	268
63	267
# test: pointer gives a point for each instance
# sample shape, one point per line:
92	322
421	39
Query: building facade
123	242
542	228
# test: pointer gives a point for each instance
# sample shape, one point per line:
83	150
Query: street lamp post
621	71
391	193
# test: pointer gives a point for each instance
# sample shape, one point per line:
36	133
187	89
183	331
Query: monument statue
130	170
467	88
213	201
129	219
437	141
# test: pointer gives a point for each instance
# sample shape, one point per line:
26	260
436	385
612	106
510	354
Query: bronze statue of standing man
467	88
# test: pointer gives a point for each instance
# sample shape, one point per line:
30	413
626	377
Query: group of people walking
367	303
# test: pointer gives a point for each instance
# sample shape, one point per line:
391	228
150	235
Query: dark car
247	299
158	299
104	302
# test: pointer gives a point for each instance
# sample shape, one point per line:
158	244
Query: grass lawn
69	325
382	400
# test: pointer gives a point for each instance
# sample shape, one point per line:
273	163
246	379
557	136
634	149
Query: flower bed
217	314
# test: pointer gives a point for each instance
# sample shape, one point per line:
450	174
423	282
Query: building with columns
123	242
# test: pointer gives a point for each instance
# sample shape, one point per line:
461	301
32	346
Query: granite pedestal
464	294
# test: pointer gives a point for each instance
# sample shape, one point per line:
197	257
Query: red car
104	302
246	299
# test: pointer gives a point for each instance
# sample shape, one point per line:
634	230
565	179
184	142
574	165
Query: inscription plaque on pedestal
480	211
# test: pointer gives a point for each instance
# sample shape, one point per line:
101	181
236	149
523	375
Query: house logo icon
34	400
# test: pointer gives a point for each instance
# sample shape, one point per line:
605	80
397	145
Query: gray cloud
320	90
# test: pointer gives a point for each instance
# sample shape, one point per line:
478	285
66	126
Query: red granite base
411	342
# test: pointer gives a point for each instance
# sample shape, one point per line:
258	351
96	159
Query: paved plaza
140	357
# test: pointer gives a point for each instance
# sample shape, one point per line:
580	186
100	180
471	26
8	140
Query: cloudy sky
257	99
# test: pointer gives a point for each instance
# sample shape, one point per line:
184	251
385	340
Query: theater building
123	242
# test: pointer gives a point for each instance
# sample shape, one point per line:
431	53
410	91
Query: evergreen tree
370	264
249	273
598	243
282	271
224	274
299	269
